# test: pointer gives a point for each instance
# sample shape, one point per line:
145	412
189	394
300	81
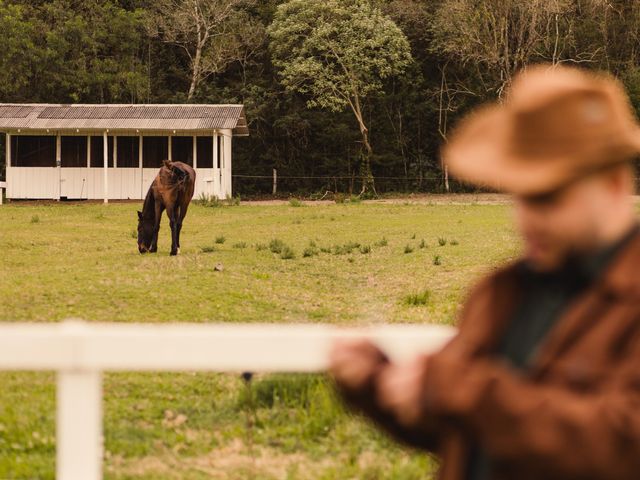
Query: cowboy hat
556	125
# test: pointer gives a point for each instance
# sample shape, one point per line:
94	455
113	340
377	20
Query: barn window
205	152
73	152
97	152
182	149
155	150
33	151
128	148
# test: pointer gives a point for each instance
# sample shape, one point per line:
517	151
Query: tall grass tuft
417	299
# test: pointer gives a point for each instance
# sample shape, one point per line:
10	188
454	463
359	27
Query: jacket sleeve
547	429
363	401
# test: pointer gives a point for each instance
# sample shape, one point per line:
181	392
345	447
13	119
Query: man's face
566	222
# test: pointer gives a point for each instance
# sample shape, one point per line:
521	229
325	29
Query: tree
338	52
18	51
212	33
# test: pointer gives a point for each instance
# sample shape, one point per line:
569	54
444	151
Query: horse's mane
148	208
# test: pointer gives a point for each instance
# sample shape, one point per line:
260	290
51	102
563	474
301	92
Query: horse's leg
180	216
171	212
159	208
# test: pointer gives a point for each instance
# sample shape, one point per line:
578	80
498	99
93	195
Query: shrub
382	242
417	299
276	246
310	252
345	249
287	253
208	201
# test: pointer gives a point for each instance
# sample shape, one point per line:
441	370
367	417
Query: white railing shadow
79	352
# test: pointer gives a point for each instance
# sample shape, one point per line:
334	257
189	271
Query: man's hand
354	362
400	390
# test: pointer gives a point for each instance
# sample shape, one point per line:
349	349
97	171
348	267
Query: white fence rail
80	352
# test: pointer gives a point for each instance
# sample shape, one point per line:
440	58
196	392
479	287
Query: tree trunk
368	183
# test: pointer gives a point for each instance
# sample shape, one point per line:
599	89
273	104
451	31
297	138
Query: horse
171	190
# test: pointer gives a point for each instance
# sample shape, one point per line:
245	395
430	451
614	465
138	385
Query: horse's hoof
173	254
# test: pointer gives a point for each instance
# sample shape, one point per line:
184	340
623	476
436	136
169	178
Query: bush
382	242
287	253
417	299
345	249
276	246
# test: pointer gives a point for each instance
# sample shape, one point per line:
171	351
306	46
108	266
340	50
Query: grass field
357	264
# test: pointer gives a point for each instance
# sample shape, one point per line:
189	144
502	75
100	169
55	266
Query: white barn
114	151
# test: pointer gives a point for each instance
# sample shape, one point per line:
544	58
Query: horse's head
145	234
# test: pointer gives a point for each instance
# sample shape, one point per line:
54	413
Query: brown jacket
574	415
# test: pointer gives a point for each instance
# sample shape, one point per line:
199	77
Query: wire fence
325	185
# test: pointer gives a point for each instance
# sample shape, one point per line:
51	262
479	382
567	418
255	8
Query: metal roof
144	118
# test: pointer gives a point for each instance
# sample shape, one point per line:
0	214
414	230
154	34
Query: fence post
275	181
79	426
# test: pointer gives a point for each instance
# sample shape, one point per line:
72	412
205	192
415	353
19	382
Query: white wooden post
7	163
88	151
140	164
217	172
226	145
105	164
195	152
275	181
216	160
79	425
59	162
115	151
170	143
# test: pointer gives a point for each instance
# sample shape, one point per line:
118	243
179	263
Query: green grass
81	261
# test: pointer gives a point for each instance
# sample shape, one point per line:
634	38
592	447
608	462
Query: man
543	379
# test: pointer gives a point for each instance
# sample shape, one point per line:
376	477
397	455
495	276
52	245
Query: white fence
80	352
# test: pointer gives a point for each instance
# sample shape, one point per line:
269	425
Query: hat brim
480	154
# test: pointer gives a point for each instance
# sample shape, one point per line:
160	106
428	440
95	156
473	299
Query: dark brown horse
172	191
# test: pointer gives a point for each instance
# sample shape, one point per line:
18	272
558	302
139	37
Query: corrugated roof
155	118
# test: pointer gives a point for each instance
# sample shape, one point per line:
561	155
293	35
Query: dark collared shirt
546	297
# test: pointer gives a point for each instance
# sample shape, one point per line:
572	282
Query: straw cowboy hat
557	125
